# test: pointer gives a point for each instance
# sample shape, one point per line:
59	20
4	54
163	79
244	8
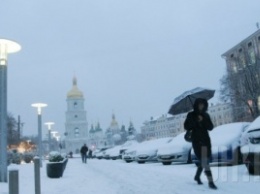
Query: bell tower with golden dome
76	119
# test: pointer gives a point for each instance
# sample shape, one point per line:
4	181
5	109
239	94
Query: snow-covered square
118	177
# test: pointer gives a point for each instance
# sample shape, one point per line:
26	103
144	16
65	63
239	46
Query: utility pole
19	128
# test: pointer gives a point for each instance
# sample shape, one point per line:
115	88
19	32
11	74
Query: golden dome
113	122
75	92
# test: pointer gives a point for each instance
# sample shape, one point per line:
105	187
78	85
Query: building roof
98	128
92	129
75	92
113	122
242	42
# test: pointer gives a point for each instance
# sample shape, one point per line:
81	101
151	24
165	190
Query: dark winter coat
84	150
200	135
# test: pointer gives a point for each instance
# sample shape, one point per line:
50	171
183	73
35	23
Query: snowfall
118	177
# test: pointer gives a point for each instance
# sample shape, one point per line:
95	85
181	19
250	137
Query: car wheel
128	161
166	163
252	169
140	162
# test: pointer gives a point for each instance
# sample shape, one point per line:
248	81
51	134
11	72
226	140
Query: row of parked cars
234	143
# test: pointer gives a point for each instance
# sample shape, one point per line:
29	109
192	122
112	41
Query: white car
225	142
113	153
129	155
147	151
178	150
128	144
101	153
250	147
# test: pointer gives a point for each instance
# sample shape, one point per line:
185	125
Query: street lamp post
6	47
55	134
49	124
39	107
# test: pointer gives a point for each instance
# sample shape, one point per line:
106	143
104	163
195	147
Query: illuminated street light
6	47
39	107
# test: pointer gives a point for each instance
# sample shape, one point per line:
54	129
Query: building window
76	116
75	104
242	61
76	132
251	54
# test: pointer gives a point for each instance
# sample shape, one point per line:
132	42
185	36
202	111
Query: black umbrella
184	102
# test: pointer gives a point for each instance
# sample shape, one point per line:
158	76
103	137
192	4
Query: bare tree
241	85
12	133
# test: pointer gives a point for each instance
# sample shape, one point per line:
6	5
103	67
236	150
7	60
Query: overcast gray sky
130	56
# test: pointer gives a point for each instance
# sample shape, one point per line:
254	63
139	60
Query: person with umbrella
198	121
197	124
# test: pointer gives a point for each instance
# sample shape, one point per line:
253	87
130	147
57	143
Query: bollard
37	175
13	181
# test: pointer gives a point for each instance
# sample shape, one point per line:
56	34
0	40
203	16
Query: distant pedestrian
71	154
199	123
83	151
90	154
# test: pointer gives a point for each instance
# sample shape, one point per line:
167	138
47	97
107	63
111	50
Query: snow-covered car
113	153
130	154
128	144
101	153
178	150
225	142
250	147
117	151
147	151
94	153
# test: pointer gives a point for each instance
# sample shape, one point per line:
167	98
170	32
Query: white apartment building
170	126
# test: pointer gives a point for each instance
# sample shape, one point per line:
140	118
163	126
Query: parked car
225	141
178	150
128	144
250	147
94	153
129	155
147	151
101	154
113	153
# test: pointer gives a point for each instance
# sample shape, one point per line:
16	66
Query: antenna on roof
257	25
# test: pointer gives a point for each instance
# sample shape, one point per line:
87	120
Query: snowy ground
118	177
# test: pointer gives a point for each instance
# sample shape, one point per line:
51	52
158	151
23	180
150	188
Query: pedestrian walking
198	122
83	151
90	154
